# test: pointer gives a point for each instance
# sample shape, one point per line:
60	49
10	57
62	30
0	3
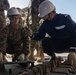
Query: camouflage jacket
4	5
16	39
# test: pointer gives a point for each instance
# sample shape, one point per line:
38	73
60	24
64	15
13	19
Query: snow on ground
63	55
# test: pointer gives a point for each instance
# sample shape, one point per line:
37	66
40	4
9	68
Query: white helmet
13	11
45	8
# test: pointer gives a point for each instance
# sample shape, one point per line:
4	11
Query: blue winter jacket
62	26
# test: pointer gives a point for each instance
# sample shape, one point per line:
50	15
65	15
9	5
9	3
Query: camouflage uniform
17	40
4	5
34	26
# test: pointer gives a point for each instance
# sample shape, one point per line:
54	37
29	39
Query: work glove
2	57
22	57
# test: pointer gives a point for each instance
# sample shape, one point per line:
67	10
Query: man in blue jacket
60	27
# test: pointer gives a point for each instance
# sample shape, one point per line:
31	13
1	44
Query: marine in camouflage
33	22
17	41
4	5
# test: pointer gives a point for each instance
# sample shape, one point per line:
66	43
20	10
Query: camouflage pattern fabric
4	5
34	25
16	40
2	20
2	40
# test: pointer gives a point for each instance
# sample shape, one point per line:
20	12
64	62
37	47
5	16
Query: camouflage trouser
16	50
36	45
34	25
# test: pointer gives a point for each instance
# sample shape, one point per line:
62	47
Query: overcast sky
19	3
62	6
